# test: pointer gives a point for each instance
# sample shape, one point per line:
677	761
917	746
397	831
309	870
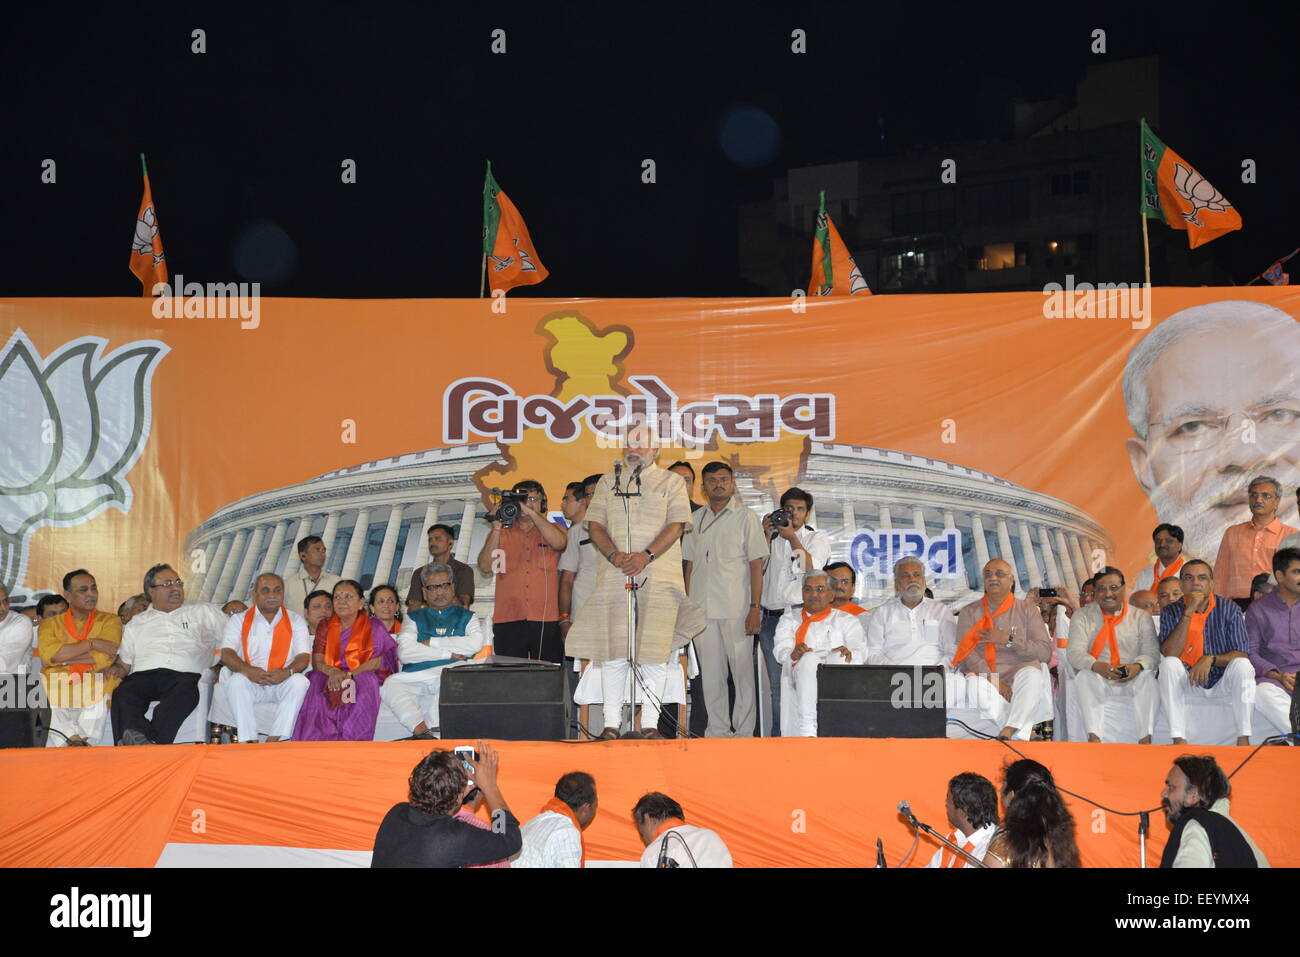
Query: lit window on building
994	256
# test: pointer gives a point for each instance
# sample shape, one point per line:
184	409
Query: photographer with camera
523	550
423	831
795	548
1114	653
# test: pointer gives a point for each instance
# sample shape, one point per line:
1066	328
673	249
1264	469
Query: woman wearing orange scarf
352	656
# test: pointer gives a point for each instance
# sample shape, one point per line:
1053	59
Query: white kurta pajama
243	695
898	635
413	694
1135	639
16	641
666	619
838	629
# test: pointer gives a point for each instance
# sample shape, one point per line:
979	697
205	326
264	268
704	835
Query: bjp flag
147	259
834	273
509	252
1173	192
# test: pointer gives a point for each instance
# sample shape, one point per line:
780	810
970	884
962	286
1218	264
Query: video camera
509	508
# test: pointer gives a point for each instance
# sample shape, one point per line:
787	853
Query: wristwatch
652	555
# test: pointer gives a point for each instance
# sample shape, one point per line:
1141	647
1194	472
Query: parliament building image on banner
372	518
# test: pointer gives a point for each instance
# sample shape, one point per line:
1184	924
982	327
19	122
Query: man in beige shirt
311	576
1119	664
1002	654
724	553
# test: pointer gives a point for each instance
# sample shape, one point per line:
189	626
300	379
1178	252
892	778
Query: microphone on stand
880	854
618	474
905	809
636	475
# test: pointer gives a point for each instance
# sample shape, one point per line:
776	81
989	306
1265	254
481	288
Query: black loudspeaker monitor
507	702
880	701
24	712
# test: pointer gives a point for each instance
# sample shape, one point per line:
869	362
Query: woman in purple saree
351	657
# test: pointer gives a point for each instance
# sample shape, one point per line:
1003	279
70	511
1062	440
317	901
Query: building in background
1058	197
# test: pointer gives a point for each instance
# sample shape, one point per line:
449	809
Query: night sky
245	141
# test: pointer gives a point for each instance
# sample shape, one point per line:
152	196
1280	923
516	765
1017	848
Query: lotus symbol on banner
1198	191
76	423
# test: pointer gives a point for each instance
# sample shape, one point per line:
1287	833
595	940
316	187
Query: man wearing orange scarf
1113	652
266	650
1167	541
76	648
972	806
1206	654
671	842
554	837
816	634
1002	654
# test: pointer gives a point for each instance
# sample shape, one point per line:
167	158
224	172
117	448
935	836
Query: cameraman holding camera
795	548
523	550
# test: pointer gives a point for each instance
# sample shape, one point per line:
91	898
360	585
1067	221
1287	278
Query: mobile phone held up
467	753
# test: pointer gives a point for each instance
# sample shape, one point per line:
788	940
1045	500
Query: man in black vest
1195	801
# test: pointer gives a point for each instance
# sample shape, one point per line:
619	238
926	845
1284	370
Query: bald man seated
1002	654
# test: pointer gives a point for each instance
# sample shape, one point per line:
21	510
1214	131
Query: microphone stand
1144	822
922	826
628	717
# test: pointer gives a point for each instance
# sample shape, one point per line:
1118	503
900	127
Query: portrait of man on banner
1213	397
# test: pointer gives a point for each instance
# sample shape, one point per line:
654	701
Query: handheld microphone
905	809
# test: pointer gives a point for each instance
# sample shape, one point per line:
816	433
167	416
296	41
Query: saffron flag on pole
1175	193
147	259
834	273
508	250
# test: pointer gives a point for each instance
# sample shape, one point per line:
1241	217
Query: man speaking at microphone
635	521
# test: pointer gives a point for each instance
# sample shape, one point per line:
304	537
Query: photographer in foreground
523	550
424	831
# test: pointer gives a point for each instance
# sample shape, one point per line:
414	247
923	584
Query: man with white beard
910	629
1213	397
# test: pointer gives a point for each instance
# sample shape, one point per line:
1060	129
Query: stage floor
776	802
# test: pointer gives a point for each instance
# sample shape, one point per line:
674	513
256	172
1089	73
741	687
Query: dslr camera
509	508
779	519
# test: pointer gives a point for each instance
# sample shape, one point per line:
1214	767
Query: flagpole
143	166
1146	250
482	272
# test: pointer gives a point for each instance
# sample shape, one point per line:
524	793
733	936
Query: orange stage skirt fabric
777	802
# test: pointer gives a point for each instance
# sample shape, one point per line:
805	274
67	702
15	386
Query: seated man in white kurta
438	636
815	635
1114	652
910	629
266	650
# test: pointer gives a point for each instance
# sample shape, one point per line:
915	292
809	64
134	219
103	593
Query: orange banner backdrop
777	802
1006	390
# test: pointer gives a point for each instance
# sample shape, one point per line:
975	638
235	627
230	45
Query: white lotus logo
1198	191
75	424
146	228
